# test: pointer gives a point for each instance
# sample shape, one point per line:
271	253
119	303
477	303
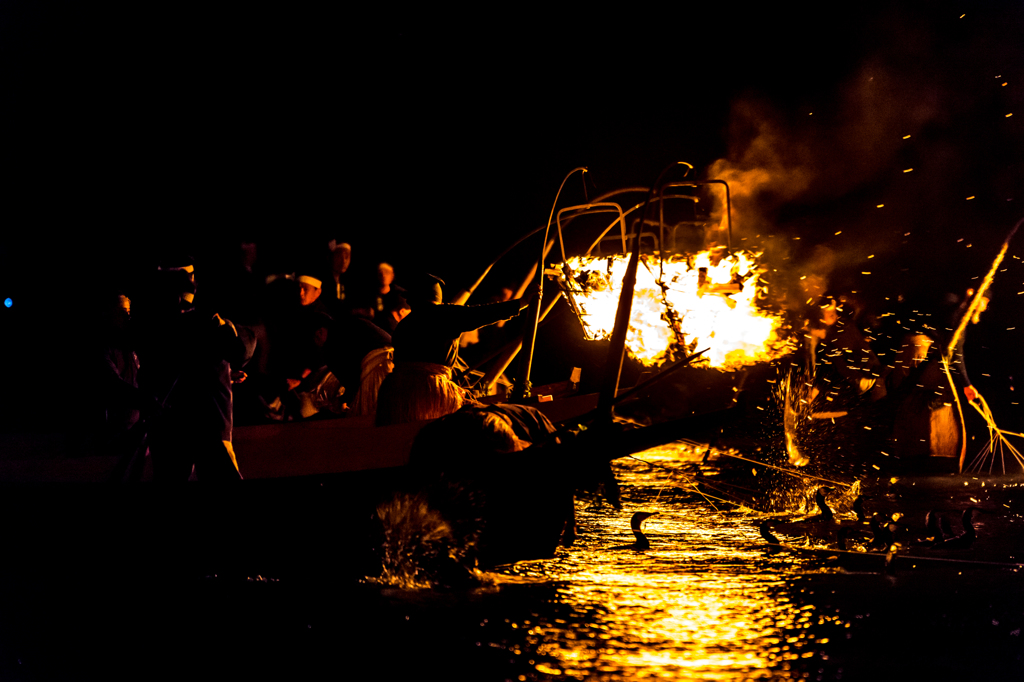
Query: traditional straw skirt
415	391
376	365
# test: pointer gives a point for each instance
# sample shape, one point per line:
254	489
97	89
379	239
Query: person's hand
972	393
293	383
238	376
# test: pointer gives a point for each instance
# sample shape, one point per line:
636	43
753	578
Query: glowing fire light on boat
685	304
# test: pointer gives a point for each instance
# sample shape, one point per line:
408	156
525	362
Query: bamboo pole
972	310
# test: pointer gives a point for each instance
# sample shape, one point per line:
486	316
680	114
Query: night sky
433	142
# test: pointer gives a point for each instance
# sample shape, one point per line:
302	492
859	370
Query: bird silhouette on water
966	538
936	529
767	534
825	513
858	509
883	529
636	525
947	530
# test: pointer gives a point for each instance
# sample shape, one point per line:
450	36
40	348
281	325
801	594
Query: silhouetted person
337	282
393	315
426	346
929	407
385	293
189	362
352	356
122	403
844	369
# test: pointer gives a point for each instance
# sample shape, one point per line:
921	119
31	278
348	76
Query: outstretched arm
469	317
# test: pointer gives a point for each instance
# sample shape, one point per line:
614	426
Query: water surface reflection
706	601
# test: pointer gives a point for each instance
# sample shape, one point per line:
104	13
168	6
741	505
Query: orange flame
701	301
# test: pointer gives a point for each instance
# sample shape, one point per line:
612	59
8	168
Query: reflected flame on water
690	606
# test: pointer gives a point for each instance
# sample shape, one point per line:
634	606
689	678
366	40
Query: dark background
434	140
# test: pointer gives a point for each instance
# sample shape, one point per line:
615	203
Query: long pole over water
617	346
971	311
522	387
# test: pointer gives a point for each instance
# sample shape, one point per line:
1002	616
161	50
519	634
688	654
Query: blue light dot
8	303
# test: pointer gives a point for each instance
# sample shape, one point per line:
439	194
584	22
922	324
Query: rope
905	557
972	309
687	481
996	439
788	471
960	409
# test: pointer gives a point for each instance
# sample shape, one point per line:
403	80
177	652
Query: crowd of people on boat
177	369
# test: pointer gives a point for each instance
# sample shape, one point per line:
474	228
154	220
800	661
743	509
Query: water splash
792	396
419	548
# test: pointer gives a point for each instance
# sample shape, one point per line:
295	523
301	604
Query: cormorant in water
933	533
858	508
819	499
947	530
964	539
635	524
884	533
767	534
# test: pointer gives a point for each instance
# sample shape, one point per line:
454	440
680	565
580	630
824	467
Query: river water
709	600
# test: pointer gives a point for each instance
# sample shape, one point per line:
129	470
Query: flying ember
681	305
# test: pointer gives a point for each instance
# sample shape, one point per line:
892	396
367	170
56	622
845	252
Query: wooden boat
311	489
334	446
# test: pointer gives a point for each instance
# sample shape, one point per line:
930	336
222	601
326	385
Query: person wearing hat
337	280
189	360
926	418
310	288
426	344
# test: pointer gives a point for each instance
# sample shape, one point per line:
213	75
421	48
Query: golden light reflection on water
704	602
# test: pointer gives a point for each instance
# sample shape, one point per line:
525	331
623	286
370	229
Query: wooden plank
320	447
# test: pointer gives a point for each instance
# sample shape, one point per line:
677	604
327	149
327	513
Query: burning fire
701	301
